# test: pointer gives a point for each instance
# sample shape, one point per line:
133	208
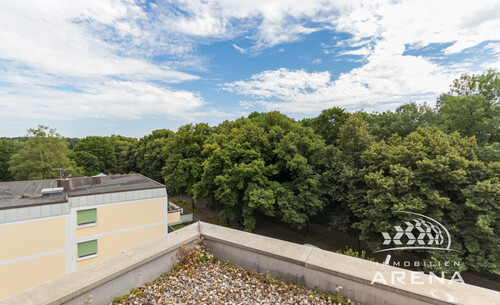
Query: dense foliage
93	148
353	171
267	163
38	157
6	152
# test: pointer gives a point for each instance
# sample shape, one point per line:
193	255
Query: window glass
86	216
87	248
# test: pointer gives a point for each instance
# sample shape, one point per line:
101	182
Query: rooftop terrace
18	194
199	278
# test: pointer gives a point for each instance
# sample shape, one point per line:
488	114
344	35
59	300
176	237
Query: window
85	217
87	248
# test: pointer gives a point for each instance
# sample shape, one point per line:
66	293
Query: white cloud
268	23
113	99
381	32
239	49
462	23
282	84
63	58
103	50
82	39
247	104
383	81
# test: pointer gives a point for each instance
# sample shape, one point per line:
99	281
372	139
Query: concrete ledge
256	243
316	268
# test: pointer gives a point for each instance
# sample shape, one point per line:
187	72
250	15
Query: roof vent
52	191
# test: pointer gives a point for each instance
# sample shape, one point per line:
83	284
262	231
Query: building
49	228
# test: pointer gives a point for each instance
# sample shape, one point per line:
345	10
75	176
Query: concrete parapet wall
35	212
183	219
90	200
298	264
15	214
325	270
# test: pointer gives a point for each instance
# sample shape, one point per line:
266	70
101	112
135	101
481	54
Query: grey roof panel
11	193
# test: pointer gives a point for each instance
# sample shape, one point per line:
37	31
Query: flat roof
18	194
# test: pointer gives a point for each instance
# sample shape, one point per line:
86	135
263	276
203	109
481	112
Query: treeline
353	171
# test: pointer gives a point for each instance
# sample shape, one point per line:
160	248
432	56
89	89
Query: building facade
49	228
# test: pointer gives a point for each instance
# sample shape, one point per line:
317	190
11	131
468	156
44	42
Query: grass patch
182	225
183	204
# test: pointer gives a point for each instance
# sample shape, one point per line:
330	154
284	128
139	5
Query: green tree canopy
149	155
6	152
340	181
329	122
481	224
183	167
471	115
486	84
472	107
435	174
88	162
122	147
404	120
100	147
265	164
44	150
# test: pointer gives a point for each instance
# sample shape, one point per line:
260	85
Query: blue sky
101	67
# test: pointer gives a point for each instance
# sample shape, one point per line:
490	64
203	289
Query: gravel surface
199	278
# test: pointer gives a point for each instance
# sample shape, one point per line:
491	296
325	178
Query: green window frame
84	217
87	248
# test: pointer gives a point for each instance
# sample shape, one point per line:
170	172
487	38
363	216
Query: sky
102	67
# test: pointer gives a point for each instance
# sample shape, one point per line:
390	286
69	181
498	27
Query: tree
432	173
481	234
489	152
404	120
122	147
44	150
88	162
486	85
256	114
102	149
265	164
354	138
306	122
72	142
149	155
329	122
471	115
341	183
472	107
183	167
6	152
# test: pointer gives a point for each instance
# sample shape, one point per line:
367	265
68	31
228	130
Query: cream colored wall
115	217
24	239
174	217
16	277
112	244
119	217
31	237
